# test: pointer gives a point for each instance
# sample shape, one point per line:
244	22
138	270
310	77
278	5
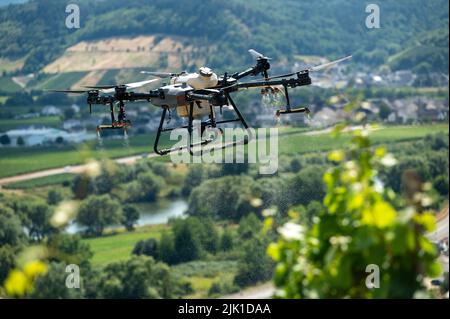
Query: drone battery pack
198	111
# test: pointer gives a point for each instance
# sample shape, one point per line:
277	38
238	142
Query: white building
33	136
51	110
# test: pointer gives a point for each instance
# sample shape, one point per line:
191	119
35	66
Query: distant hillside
429	51
127	52
36	32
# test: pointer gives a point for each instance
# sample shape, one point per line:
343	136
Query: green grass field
42	181
61	80
8	85
50	121
116	247
201	274
292	144
15	161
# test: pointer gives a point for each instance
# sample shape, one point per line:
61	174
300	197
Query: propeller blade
329	64
112	88
161	75
255	54
313	69
100	87
134	85
69	91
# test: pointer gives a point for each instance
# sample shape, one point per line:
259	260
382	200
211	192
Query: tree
249	227
193	179
69	249
5	140
306	186
209	237
385	111
7	260
130	216
167	248
357	228
440	183
234	168
82	186
20	141
19	99
227	240
51	285
137	277
98	211
150	186
59	140
54	196
149	247
187	240
295	165
255	265
38	221
231	198
11	229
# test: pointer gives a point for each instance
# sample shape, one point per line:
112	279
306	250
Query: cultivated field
14	161
118	53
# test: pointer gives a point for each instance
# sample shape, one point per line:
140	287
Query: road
76	169
264	291
441	232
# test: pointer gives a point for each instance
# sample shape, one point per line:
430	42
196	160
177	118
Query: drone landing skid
291	111
115	126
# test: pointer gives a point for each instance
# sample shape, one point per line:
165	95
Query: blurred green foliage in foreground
359	226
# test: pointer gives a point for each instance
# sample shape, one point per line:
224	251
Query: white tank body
205	78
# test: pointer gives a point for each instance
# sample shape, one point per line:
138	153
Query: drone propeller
111	88
161	75
312	69
91	93
329	64
255	54
69	91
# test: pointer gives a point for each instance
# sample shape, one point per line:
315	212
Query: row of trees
189	239
143	182
193	239
299	181
100	211
138	277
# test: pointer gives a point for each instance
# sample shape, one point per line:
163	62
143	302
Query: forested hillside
323	27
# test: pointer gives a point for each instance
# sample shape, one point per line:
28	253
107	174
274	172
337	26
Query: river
151	214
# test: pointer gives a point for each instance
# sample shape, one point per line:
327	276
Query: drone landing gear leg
111	108
190	129
241	119
288	109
